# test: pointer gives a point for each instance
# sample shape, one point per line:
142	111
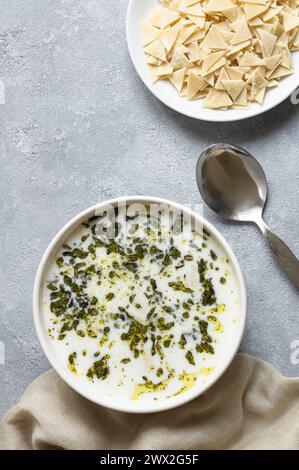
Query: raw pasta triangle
242	33
198	20
233	87
242	100
179	59
148	33
231	13
211	59
217	99
163	17
268	42
259	97
219	5
250	59
168	38
156	49
177	79
195	84
235	73
251	10
258	83
195	9
290	22
217	65
272	62
223	75
214	40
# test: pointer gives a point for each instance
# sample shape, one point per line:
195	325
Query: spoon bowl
233	184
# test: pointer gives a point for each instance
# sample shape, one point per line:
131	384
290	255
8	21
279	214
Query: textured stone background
78	127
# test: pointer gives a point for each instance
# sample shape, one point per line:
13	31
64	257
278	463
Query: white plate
85	388
139	10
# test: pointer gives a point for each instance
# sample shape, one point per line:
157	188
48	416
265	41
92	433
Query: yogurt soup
145	312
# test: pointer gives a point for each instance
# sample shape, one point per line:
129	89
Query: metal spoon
234	185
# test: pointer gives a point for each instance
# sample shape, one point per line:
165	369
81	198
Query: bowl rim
218	117
75	384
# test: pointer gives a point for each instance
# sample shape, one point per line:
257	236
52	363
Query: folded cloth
252	406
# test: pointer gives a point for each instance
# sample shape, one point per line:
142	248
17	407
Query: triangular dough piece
251	10
242	33
148	33
268	42
258	83
154	61
235	73
271	62
156	49
198	20
234	49
194	52
283	40
155	18
210	79
164	69
223	75
219	5
259	97
272	83
233	87
201	94
211	59
222	26
163	17
280	72
231	13
186	32
153	72
286	58
195	84
168	38
217	99
242	99
194	9
289	21
168	17
227	36
179	60
271	13
250	59
177	79
214	40
216	66
196	36
255	22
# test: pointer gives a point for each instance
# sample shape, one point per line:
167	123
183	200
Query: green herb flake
180	286
190	358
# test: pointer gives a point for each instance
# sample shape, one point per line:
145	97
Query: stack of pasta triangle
226	51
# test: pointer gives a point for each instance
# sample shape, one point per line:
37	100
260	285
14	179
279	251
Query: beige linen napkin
252	406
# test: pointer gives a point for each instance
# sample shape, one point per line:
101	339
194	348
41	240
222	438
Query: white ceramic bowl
85	388
139	10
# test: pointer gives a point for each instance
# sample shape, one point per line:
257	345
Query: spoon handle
283	255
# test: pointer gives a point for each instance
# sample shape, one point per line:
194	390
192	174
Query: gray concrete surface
78	126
